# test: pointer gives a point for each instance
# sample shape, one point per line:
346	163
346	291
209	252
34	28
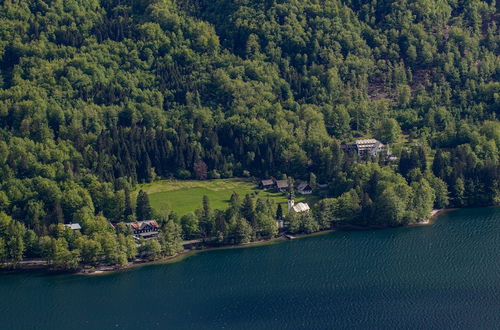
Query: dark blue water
442	276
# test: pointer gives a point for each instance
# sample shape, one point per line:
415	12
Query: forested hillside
99	95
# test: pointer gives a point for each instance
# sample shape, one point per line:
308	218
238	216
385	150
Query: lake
444	275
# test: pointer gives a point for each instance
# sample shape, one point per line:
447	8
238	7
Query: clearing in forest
184	196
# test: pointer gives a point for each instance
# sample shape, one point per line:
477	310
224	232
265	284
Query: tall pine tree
143	210
128	205
279	212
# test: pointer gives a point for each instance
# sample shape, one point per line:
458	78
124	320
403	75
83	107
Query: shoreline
182	255
26	266
435	213
188	253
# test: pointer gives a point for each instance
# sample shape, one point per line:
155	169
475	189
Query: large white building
369	147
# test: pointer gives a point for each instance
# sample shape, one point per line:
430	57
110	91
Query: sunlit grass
184	196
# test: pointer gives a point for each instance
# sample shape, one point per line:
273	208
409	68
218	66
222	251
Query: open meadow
184	196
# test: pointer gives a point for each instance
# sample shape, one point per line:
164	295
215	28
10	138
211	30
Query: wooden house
144	229
272	183
304	188
267	184
282	185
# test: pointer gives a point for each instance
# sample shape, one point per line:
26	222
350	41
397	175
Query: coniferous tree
58	212
206	218
248	209
439	165
143	210
127	212
220	225
422	158
239	100
279	212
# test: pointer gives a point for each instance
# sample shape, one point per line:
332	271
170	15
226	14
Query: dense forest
97	96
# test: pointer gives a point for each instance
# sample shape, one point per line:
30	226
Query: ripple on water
444	275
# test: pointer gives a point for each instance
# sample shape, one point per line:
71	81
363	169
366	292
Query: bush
214	174
183	174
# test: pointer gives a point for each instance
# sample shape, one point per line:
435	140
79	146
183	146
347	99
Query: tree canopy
98	96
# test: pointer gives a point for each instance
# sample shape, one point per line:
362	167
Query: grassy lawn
186	196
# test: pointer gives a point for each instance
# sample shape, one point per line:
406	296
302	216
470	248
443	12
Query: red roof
142	224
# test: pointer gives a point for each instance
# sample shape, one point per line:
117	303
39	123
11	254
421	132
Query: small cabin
267	184
282	185
304	188
73	226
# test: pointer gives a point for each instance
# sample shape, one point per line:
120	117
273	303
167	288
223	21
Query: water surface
445	275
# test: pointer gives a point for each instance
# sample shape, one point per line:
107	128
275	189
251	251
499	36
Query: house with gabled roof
267	184
282	185
279	185
144	229
304	188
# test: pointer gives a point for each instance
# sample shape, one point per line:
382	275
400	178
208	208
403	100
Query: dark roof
304	187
